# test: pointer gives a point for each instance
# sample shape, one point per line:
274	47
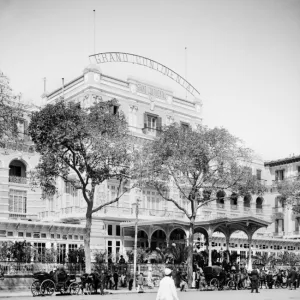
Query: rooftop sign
107	57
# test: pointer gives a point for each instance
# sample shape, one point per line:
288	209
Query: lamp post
135	240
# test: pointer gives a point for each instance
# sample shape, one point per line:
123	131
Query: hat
168	271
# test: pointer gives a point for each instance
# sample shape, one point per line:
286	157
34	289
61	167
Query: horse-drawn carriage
48	283
212	278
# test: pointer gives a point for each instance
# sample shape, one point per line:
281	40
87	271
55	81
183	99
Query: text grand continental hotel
59	222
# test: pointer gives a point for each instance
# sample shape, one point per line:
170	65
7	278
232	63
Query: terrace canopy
249	225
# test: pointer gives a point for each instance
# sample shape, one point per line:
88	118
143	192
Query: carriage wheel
48	287
202	286
284	285
35	288
231	285
214	283
74	288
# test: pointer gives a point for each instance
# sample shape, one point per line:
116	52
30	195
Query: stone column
249	253
209	252
227	247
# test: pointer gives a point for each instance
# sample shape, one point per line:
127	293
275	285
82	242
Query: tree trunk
87	240
190	253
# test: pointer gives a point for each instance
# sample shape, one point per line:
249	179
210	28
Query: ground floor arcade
162	233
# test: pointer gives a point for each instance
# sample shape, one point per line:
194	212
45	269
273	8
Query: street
276	294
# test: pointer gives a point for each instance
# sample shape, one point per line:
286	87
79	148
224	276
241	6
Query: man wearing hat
167	289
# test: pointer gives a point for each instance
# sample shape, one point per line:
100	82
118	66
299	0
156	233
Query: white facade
146	107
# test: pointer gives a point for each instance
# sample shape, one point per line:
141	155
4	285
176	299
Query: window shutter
276	175
158	126
145	120
26	136
159	123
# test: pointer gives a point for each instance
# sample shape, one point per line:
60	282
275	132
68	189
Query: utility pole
135	241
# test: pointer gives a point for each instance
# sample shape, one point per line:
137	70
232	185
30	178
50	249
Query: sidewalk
27	293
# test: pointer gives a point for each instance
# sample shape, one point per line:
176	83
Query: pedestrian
254	281
102	279
140	288
270	280
167	289
130	282
116	279
122	260
183	282
292	278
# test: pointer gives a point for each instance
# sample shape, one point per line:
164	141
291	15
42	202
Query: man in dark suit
292	278
254	281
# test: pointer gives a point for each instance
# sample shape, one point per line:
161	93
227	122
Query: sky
243	56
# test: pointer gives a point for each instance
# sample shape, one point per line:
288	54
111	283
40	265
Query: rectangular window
118	245
58	236
118	230
70	189
109	229
279	175
61	253
242	254
36	235
52	236
20	234
44	235
17	201
75	237
10	233
258	174
81	237
184	126
152	123
109	247
64	237
28	234
69	237
40	255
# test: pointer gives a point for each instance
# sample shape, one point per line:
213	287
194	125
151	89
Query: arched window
259	202
220	197
247	201
233	199
17	171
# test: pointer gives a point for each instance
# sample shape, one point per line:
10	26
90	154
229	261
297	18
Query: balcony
296	232
276	210
259	210
233	207
21	216
278	234
247	209
18	179
221	205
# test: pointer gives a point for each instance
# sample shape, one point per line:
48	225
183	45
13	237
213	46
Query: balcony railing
18	179
259	210
247	208
233	207
296	232
22	216
221	205
277	210
278	233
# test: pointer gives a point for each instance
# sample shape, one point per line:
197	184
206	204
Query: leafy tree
265	259
9	110
290	193
197	163
288	258
84	147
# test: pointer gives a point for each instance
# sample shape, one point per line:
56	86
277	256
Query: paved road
281	294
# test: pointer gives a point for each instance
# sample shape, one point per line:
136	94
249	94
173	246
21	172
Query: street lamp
135	238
